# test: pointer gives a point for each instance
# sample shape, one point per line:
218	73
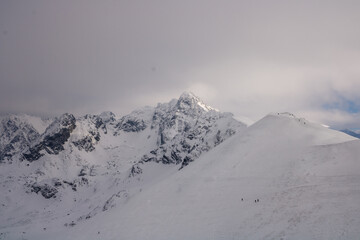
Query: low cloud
245	57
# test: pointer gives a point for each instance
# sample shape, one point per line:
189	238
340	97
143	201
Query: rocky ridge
74	158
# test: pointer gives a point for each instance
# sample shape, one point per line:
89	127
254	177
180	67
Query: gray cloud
246	57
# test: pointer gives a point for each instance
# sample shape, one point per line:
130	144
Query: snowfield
283	177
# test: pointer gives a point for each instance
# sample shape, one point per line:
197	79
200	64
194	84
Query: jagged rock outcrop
53	139
89	135
131	125
15	136
46	190
186	128
133	122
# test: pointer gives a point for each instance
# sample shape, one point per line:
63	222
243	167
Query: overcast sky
246	57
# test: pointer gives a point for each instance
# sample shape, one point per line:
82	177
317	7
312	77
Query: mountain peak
190	100
288	127
107	116
187	94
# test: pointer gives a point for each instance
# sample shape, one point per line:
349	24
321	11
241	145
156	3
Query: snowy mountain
181	170
85	165
282	178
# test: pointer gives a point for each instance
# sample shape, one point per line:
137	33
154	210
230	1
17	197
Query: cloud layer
246	57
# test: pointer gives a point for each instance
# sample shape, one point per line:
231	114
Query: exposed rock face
108	119
46	190
53	139
131	124
186	128
15	135
135	170
89	135
183	129
86	143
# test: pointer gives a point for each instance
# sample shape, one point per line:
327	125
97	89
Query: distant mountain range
351	133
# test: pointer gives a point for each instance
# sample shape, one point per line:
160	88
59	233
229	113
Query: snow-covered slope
282	178
76	169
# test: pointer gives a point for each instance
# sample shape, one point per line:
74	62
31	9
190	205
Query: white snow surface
306	177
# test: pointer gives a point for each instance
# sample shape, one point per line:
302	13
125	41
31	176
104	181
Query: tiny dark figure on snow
242	199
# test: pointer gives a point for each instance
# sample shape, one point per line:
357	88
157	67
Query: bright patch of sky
343	104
